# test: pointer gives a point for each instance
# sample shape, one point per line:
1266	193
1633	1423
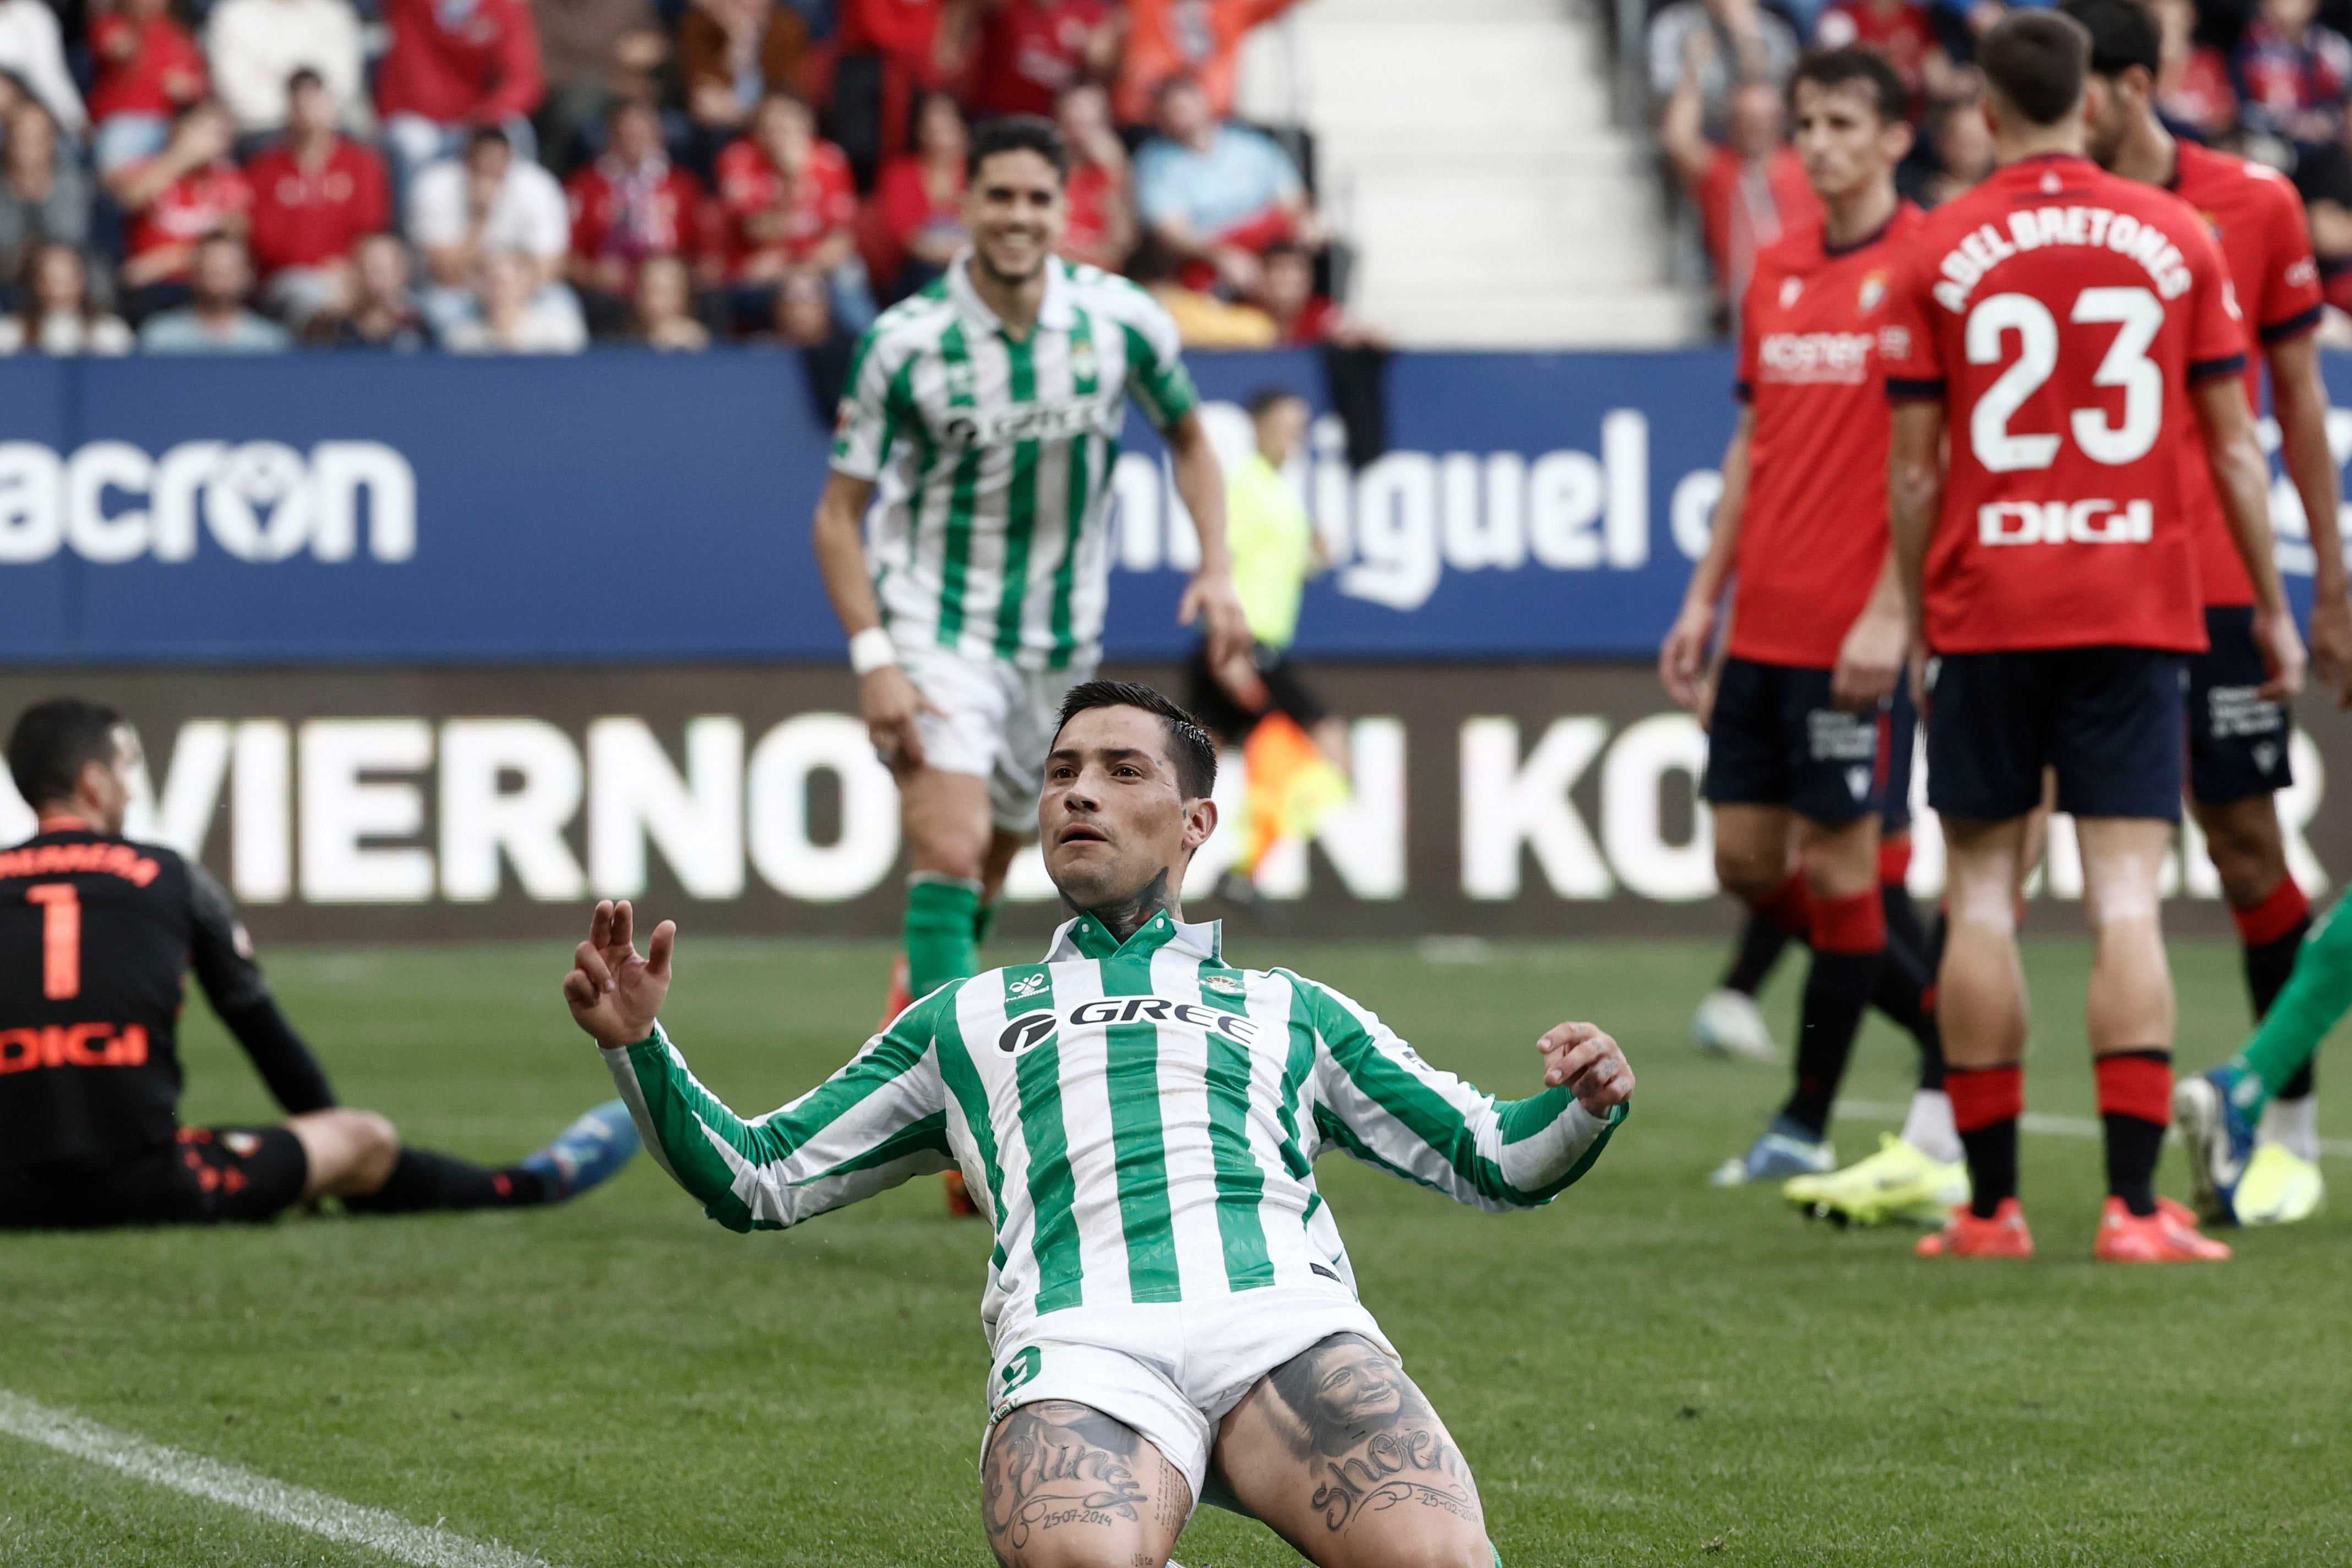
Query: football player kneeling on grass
1170	1311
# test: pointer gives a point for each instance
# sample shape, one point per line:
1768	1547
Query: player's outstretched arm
878	1121
2242	477
1379	1100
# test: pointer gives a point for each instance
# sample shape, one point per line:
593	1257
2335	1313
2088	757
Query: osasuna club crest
1030	1030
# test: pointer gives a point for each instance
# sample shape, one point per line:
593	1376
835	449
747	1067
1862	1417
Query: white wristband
872	649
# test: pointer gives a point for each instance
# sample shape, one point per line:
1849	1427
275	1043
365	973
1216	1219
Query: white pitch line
2032	1121
220	1481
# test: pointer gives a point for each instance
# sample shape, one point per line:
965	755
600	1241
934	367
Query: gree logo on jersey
1033	1029
1023	422
1984	247
72	1045
2065	523
1814	358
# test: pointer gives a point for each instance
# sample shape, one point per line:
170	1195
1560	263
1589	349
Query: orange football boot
2167	1235
1966	1236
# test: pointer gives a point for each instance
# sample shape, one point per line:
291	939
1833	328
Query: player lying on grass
97	937
1170	1309
2220	1112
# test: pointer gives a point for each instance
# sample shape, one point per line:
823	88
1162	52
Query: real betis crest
1224	984
1084	366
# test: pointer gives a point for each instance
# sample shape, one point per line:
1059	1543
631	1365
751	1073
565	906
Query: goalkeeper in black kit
98	935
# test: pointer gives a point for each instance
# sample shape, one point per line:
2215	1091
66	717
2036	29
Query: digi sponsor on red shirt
1812	532
2266	244
2059	315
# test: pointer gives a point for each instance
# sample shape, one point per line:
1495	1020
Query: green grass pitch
1646	1372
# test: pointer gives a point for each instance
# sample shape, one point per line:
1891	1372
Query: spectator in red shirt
1748	191
1302	316
734	53
454	64
185	194
1102	188
628	206
890	52
792	207
147	68
316	195
1033	51
2193	92
1903	32
919	203
1199	39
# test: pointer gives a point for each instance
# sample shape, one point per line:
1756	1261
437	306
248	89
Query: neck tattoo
1124	917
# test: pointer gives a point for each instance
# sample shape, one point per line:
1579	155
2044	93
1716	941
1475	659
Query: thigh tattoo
1370	1441
1055	1462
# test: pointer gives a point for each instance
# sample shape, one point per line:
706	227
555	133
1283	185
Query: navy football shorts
2108	719
1775	739
2237	741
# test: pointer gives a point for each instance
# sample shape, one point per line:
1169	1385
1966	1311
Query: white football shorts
996	721
1171	1370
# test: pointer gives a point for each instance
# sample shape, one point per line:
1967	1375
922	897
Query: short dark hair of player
1267	397
2124	34
1189	746
2035	61
53	742
302	77
1854	64
1019	133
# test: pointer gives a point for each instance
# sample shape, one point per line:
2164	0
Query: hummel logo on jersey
1027	985
2065	523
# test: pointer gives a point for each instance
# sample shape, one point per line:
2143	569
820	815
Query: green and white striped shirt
1140	1121
994	455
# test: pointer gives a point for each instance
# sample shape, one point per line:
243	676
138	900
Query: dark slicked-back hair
2124	34
1189	746
1854	64
1018	134
2035	61
51	743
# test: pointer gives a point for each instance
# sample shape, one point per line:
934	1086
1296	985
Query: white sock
2293	1123
1928	1127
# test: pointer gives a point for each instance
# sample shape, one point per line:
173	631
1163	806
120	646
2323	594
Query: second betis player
2237	740
1801	763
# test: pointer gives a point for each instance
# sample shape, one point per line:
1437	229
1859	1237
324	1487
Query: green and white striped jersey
1140	1121
994	455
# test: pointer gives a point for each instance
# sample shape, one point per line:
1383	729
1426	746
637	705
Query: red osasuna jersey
2060	314
2266	243
1812	534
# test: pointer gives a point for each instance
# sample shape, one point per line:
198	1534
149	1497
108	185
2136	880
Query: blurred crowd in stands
540	175
2268	80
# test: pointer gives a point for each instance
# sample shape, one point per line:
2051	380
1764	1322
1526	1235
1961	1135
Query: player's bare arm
1682	658
2299	399
2241	479
1871	659
886	696
1210	597
1914	495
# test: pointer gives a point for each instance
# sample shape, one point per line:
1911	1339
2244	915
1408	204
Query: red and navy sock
2134	1105
423	1180
2271	933
1986	1104
1849	938
1760	945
